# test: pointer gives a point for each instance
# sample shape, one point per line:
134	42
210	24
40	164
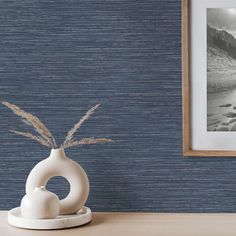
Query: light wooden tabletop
137	224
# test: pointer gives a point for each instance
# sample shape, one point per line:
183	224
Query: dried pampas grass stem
71	132
85	141
31	136
34	121
45	137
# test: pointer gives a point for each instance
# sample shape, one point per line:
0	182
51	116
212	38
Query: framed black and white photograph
209	77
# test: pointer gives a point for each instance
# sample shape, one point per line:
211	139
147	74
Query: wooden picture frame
186	91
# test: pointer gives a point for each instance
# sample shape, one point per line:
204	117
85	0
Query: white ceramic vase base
82	217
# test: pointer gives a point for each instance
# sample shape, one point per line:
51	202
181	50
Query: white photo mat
201	139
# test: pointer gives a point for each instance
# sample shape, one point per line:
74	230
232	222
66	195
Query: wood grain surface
138	224
59	58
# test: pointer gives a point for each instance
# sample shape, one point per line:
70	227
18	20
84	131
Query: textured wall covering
58	58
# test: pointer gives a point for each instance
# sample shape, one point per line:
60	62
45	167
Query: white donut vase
57	164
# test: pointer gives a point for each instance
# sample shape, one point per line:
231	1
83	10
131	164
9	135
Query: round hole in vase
58	164
59	185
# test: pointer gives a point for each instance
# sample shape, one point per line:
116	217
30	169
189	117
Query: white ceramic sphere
40	204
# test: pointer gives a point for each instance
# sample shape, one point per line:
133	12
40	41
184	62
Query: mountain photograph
221	69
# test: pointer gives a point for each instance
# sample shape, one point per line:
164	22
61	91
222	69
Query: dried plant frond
45	137
31	136
34	121
71	132
85	141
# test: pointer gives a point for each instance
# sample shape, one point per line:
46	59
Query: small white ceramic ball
40	204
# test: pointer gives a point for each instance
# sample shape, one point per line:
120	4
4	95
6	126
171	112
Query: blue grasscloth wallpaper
59	58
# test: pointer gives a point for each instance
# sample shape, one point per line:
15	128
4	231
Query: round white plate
82	217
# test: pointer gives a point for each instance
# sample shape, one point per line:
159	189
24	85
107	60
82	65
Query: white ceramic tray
82	217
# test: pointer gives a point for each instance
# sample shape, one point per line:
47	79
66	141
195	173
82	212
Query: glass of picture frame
209	77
